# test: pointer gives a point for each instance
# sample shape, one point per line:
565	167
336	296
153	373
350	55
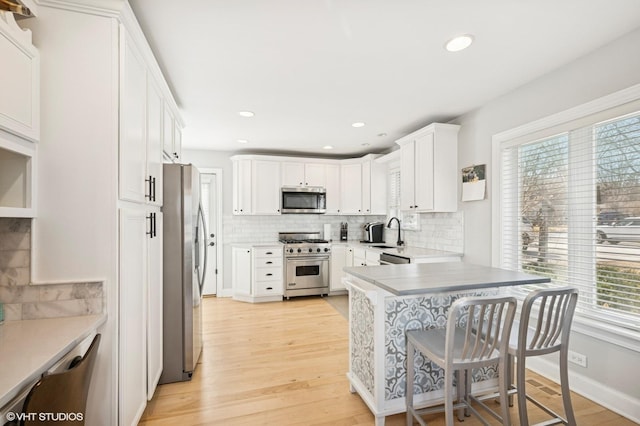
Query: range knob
299	250
318	250
326	249
291	250
310	250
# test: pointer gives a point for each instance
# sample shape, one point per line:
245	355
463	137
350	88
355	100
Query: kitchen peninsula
385	301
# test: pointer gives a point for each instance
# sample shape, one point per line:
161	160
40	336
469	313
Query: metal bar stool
545	324
459	348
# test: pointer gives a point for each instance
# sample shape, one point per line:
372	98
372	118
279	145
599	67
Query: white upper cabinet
315	174
172	136
351	188
266	187
292	174
146	124
303	174
429	169
332	184
19	116
355	186
154	143
242	187
20	70
133	145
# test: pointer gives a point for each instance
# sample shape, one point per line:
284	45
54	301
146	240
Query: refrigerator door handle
204	234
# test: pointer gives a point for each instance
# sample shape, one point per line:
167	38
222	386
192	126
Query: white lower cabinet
365	257
155	309
257	273
132	381
140	306
339	256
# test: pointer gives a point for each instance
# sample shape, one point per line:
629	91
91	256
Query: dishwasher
393	259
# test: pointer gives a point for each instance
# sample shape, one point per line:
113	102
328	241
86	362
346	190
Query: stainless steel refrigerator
184	268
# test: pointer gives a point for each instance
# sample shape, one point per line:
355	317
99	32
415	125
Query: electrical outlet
578	359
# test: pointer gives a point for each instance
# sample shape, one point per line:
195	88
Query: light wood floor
285	364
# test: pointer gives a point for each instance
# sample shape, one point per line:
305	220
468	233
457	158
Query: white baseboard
610	398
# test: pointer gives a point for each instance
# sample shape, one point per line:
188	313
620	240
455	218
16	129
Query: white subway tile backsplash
441	231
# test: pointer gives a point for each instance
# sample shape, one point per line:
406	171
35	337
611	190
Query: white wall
611	68
74	235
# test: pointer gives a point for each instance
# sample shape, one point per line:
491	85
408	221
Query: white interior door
209	196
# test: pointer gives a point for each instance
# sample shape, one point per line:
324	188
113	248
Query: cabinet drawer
268	274
268	288
268	262
268	252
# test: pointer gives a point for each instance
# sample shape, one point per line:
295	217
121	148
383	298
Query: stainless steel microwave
304	199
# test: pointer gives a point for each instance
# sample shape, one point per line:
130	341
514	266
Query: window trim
617	103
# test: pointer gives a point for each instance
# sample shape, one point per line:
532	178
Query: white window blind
570	206
394	194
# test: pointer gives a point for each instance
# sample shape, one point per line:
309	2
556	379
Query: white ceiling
308	69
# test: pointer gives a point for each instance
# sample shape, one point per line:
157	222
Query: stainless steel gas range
307	264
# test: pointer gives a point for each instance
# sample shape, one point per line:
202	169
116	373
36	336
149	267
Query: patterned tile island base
378	321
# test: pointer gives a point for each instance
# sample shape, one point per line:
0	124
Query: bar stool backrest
64	392
545	321
487	325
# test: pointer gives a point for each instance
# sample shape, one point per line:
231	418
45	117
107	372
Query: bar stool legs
545	331
476	336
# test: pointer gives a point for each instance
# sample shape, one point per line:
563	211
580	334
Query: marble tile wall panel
21	299
15	251
52	300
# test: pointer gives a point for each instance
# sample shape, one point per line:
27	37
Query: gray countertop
413	279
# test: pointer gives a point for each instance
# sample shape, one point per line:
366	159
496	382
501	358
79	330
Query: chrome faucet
399	242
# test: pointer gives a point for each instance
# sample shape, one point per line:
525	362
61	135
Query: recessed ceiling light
381	135
327	147
245	114
242	141
459	43
358	124
366	144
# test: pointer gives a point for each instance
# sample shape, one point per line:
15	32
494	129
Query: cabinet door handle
152	225
269	263
268	252
269	275
150	188
153	184
269	288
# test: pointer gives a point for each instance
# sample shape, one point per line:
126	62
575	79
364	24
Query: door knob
212	235
212	244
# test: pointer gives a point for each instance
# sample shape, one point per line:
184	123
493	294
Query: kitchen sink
383	246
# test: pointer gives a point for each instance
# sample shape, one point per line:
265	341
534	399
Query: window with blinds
570	206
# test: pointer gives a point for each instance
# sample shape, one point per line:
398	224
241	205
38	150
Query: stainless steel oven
307	276
306	264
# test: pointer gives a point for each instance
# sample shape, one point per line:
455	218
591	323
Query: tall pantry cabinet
103	128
